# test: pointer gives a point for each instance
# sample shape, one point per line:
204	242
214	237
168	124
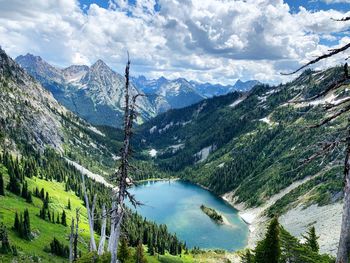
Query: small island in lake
212	214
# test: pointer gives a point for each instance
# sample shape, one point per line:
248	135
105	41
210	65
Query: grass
43	231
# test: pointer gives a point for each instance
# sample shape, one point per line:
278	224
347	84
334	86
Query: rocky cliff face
27	111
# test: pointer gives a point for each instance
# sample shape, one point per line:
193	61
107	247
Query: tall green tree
268	250
26	225
139	255
123	252
248	257
311	239
64	218
16	222
4	240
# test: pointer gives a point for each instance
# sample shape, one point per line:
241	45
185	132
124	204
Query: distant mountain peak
100	65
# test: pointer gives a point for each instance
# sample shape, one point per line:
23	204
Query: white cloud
212	40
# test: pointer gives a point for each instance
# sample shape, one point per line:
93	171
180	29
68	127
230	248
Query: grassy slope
45	231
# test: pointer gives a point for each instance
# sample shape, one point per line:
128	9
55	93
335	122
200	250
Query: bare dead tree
76	236
90	213
71	241
122	175
336	111
101	246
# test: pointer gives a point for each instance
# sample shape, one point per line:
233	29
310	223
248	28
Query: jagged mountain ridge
179	93
168	94
94	93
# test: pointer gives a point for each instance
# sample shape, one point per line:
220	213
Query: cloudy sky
204	40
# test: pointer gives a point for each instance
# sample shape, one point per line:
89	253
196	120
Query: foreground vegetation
279	246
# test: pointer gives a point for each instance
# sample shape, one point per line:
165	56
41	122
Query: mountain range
95	93
246	146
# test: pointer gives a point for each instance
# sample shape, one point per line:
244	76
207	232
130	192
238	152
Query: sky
216	41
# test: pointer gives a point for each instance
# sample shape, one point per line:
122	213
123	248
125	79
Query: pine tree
36	192
268	250
24	192
58	219
123	251
248	257
139	256
64	218
29	198
26	225
42	193
14	186
311	239
16	223
46	201
69	206
2	186
4	240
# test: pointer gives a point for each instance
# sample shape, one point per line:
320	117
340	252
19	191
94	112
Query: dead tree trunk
122	174
76	236
101	245
71	242
90	213
344	241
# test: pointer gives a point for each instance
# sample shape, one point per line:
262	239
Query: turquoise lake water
177	204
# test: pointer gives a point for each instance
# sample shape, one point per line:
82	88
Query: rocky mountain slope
31	117
94	93
250	147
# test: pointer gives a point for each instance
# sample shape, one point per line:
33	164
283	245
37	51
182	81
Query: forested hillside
263	139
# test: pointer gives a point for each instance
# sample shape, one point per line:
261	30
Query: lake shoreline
231	223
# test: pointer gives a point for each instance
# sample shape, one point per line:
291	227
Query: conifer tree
4	240
248	257
29	198
69	206
26	225
311	239
58	219
24	192
16	223
123	252
46	201
64	218
268	250
42	193
2	186
14	186
139	256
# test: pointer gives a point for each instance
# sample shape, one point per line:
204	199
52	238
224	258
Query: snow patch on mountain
153	152
88	173
95	130
237	101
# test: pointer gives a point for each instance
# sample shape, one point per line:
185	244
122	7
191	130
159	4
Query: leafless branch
330	54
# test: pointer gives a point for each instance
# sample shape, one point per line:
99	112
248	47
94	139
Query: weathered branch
342	19
90	213
332	117
101	246
330	54
71	241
